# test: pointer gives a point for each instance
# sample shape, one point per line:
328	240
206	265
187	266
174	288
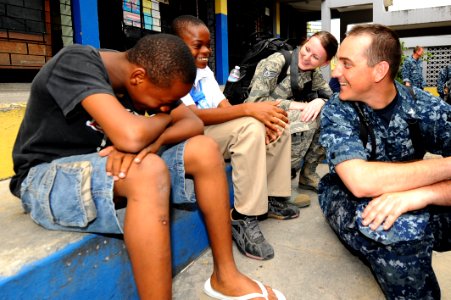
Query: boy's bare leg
204	162
146	229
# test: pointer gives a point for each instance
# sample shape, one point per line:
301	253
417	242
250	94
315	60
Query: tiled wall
66	23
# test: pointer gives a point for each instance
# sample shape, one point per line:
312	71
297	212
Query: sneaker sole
279	217
250	255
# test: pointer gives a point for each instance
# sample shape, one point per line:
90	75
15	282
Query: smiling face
197	37
312	55
352	71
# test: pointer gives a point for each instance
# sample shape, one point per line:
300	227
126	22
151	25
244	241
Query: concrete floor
309	263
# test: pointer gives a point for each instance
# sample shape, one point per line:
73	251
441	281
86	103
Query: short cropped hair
328	41
180	23
417	48
165	58
385	45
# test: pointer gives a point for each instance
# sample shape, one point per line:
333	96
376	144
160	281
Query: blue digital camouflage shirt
340	135
443	76
340	128
412	71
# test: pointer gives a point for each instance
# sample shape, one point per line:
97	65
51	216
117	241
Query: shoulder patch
269	74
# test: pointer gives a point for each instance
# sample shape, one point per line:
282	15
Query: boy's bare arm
184	125
267	113
372	179
128	132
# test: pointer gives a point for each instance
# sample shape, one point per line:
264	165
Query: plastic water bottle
234	74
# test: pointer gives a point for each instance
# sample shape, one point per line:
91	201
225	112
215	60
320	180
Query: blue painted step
40	264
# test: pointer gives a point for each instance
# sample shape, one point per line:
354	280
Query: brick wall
25	34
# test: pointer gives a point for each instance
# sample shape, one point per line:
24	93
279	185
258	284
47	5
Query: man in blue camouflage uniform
389	207
444	83
412	69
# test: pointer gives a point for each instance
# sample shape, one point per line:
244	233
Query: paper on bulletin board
131	6
132	19
147	4
156	14
155	5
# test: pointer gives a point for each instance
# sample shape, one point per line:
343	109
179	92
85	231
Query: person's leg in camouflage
300	143
308	178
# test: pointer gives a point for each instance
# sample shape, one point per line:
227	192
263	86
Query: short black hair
181	22
165	58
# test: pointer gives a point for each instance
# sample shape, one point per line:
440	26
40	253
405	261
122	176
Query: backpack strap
294	75
365	129
415	133
287	55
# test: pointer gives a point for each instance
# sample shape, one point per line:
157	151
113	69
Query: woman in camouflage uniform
303	111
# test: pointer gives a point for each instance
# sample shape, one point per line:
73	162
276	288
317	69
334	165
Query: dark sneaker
250	240
280	209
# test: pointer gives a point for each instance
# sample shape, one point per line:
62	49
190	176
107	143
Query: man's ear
381	70
137	76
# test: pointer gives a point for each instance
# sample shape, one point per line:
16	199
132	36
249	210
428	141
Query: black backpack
262	47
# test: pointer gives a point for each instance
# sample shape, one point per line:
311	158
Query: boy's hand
272	135
269	113
152	148
118	162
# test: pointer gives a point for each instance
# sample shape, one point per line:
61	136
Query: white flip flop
264	294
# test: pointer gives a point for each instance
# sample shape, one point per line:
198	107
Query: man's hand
312	110
272	116
387	208
118	163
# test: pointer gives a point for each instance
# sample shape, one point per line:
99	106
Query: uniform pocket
70	198
410	226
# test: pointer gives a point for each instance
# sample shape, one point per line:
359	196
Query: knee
253	127
203	151
151	169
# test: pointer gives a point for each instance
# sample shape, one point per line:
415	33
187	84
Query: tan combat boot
301	200
308	179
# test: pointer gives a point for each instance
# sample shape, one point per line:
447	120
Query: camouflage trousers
305	145
403	268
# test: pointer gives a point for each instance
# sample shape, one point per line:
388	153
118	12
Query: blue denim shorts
75	193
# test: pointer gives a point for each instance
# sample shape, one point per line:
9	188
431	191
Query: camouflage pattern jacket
443	76
264	87
412	71
340	128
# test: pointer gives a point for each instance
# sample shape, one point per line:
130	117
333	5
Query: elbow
361	188
131	141
198	126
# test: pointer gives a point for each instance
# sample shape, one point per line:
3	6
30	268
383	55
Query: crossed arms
397	188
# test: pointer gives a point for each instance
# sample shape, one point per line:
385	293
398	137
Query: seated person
303	107
86	147
253	136
381	196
